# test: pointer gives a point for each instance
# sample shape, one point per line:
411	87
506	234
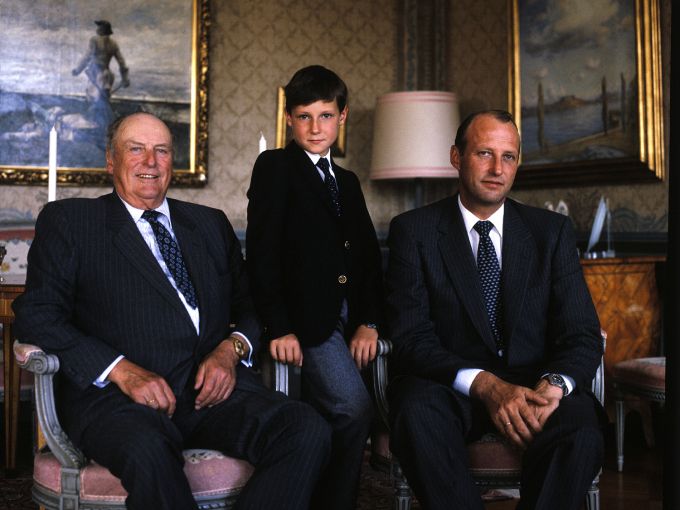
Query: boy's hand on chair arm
286	349
364	346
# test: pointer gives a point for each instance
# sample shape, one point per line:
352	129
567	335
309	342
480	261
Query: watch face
557	379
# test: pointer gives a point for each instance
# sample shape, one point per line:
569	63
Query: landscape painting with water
78	64
579	97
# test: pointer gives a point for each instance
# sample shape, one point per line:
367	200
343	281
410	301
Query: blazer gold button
347	244
342	278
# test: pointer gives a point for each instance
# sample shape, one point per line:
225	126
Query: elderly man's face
141	164
488	166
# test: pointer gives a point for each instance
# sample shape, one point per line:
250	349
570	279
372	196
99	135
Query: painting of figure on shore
77	65
578	80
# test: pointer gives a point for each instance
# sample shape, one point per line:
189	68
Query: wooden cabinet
627	301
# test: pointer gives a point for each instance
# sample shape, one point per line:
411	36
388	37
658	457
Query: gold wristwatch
239	347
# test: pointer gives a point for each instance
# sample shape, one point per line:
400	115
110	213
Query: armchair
493	463
63	479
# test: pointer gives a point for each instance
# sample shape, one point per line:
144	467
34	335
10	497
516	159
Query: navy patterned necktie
172	257
329	180
490	274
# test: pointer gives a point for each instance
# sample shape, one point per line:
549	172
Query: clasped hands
363	348
519	413
216	378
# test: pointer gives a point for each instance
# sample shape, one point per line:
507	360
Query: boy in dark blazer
315	271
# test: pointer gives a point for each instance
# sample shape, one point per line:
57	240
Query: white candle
263	143
52	175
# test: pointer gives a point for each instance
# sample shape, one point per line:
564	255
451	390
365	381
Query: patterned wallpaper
256	46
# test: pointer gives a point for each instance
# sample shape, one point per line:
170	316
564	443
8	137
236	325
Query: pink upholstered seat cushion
649	372
489	455
493	455
209	472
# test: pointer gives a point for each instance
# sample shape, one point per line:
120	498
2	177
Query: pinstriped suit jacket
94	291
436	304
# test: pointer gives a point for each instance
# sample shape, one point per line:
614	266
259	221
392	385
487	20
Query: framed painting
585	89
284	134
76	65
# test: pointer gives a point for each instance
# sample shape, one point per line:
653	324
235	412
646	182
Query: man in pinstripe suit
150	363
462	369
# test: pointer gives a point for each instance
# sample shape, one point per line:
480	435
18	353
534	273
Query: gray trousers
333	385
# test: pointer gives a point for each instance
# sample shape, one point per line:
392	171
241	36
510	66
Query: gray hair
114	126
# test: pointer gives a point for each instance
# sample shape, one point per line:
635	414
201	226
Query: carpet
15	494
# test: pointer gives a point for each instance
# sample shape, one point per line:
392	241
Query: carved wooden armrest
44	366
380	378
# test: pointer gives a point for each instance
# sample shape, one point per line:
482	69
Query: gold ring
509	423
149	401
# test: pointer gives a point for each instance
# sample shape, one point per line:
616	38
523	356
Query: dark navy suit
439	325
94	291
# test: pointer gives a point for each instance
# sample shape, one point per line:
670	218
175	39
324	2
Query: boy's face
316	126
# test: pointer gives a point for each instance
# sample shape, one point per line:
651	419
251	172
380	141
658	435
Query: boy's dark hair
312	84
499	115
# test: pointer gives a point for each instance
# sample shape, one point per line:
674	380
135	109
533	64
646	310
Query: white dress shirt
315	159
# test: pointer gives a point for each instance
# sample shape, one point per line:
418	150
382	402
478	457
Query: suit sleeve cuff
464	380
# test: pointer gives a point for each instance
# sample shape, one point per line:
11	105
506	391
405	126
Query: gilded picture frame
165	58
633	114
284	134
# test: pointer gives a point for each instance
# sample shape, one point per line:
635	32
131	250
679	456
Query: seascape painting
77	64
579	93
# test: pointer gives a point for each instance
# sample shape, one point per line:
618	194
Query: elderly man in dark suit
494	328
136	295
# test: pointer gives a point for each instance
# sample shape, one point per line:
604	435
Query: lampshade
413	135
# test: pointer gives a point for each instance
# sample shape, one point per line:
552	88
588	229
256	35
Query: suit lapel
130	242
306	168
517	252
460	263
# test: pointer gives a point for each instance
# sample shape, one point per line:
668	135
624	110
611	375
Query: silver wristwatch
557	380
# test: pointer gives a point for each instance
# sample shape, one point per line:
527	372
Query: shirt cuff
464	380
101	381
247	362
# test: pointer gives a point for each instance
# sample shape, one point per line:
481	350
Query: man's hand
216	375
143	387
363	346
553	394
286	349
509	407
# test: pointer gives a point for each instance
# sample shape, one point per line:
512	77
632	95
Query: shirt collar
136	214
315	158
471	220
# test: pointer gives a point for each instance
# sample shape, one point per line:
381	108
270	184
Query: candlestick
52	174
263	143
